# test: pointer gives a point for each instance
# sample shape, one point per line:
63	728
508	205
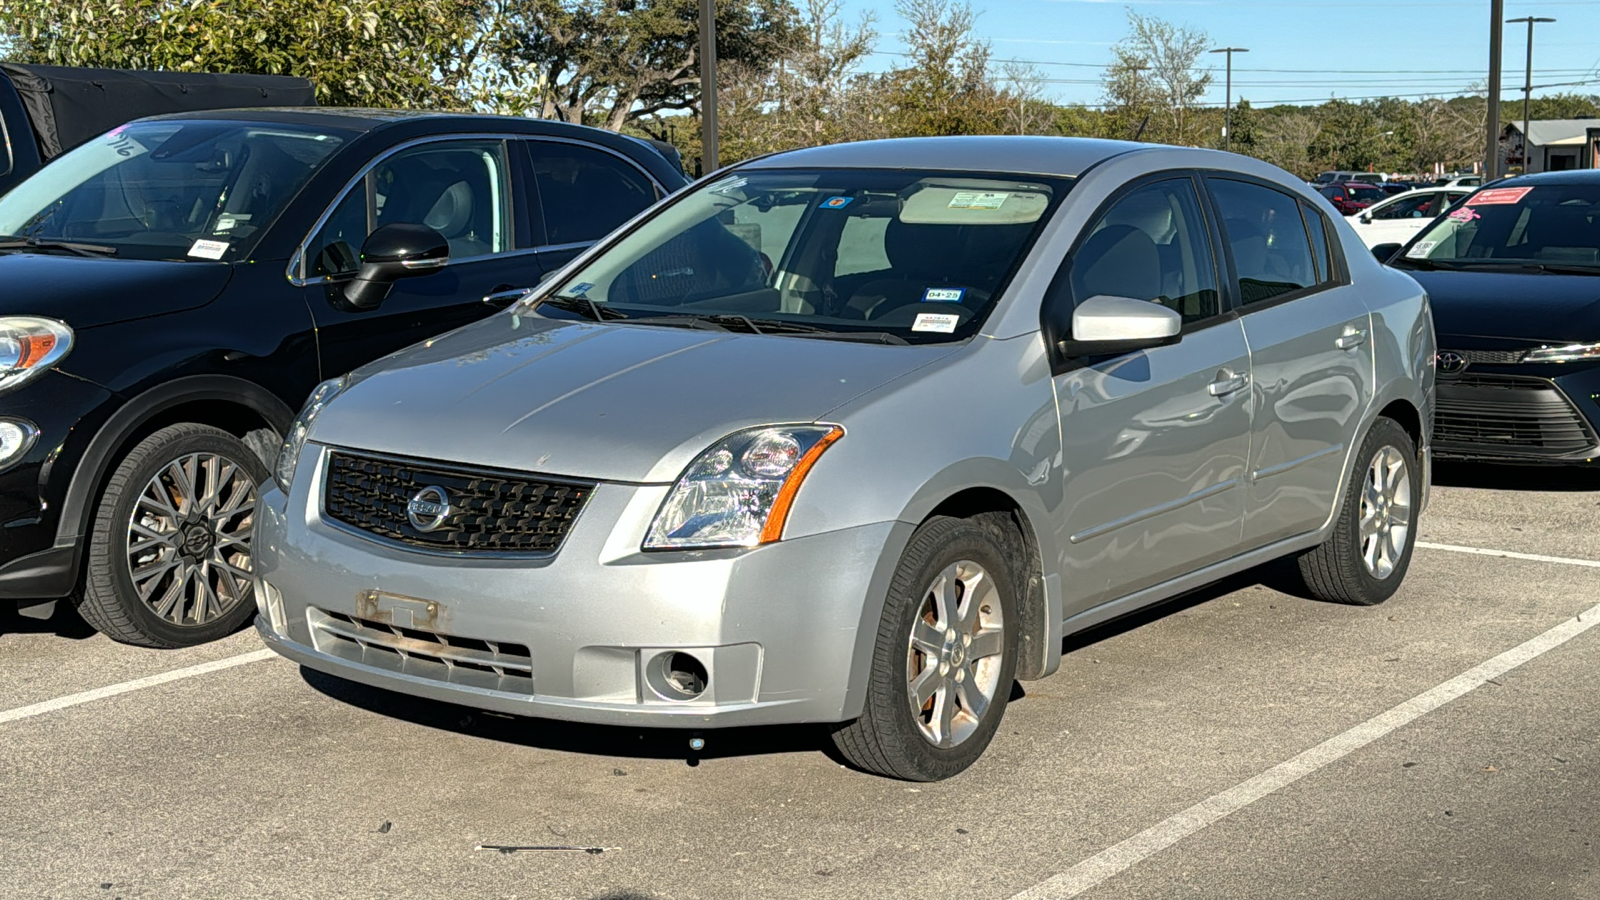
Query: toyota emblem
1450	362
429	509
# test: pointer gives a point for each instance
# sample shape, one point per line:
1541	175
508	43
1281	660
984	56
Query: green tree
946	87
357	52
1168	56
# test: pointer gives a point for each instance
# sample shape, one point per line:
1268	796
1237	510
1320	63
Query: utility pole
1133	72
1527	89
1227	103
708	87
1491	159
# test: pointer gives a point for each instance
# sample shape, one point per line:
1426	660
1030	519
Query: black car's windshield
1539	226
167	189
900	255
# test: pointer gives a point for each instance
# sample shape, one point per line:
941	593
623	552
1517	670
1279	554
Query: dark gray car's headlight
738	493
295	440
1568	353
29	347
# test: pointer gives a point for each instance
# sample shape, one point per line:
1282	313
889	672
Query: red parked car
1350	197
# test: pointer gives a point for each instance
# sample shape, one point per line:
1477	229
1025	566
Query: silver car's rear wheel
189	539
1385	512
953	661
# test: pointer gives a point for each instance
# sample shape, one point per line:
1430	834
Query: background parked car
47	110
1396	187
1514	277
1396	219
1078	376
1350	197
176	287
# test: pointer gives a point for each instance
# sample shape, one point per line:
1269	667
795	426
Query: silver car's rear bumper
785	631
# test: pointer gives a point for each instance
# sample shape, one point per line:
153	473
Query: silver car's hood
610	402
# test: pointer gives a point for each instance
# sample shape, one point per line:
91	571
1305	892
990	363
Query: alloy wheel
188	549
1385	520
954	653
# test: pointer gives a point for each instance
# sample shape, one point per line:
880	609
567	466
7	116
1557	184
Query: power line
1085	65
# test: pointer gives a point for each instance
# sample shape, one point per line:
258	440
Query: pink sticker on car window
1465	214
1498	196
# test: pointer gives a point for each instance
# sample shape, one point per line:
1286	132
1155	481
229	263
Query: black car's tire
194	562
977	560
1366	557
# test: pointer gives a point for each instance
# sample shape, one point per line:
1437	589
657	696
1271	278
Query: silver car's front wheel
954	658
1365	559
946	651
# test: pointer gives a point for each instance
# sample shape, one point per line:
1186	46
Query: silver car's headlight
29	346
738	493
295	440
1569	353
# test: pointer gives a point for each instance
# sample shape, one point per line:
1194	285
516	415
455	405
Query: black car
171	291
47	110
1514	275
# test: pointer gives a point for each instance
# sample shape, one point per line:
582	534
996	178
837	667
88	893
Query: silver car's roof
986	153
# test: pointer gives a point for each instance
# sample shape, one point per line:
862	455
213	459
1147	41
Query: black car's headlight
295	440
29	347
738	493
1568	353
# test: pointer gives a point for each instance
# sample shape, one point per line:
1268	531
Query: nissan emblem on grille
1451	363
429	509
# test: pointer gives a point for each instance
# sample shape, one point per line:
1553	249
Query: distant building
1554	145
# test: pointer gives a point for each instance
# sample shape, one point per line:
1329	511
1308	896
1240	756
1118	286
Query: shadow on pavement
64	622
1516	478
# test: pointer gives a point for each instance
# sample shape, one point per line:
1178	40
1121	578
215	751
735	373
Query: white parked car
1395	220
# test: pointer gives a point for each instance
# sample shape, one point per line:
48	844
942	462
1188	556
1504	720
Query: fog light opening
684	675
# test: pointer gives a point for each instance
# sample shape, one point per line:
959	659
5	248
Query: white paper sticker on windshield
944	323
978	200
204	249
1421	249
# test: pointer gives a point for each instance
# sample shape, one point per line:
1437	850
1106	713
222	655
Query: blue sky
1319	48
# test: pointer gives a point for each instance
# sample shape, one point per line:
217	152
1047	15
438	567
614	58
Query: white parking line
1120	857
1508	554
48	706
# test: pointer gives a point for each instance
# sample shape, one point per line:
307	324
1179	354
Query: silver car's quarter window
458	188
1151	244
1271	250
899	255
1317	224
169	189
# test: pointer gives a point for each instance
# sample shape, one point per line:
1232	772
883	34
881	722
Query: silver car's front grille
474	662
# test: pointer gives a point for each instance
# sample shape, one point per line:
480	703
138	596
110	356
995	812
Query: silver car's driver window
1151	245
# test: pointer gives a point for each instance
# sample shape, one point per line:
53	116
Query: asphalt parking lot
1242	742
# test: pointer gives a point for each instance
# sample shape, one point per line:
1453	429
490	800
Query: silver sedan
856	435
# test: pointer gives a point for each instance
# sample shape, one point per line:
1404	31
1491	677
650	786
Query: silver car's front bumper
785	631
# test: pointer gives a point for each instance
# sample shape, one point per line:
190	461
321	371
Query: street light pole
1227	102
708	87
1491	159
1527	88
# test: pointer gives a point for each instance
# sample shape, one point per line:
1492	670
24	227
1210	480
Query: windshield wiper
583	306
13	242
800	329
864	337
1565	268
687	320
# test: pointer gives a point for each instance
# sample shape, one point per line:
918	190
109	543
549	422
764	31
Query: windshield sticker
1498	197
943	295
942	323
732	183
978	200
1465	214
837	202
203	249
1421	249
581	288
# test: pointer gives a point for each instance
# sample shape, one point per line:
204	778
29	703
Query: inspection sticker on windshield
1498	196
204	249
942	323
837	202
943	295
978	200
1421	249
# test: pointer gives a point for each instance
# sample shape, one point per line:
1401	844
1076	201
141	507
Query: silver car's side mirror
1105	324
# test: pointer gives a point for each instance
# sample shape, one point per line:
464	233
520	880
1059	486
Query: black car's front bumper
1517	413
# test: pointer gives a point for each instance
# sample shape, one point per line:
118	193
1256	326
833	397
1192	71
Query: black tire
111	602
1335	570
888	738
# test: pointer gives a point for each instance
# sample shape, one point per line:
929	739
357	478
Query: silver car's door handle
1352	338
503	299
1227	383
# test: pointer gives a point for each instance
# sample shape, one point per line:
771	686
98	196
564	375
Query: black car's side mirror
391	253
1385	252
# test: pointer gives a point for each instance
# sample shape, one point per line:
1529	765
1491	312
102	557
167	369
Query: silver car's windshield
168	189
1540	226
903	256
